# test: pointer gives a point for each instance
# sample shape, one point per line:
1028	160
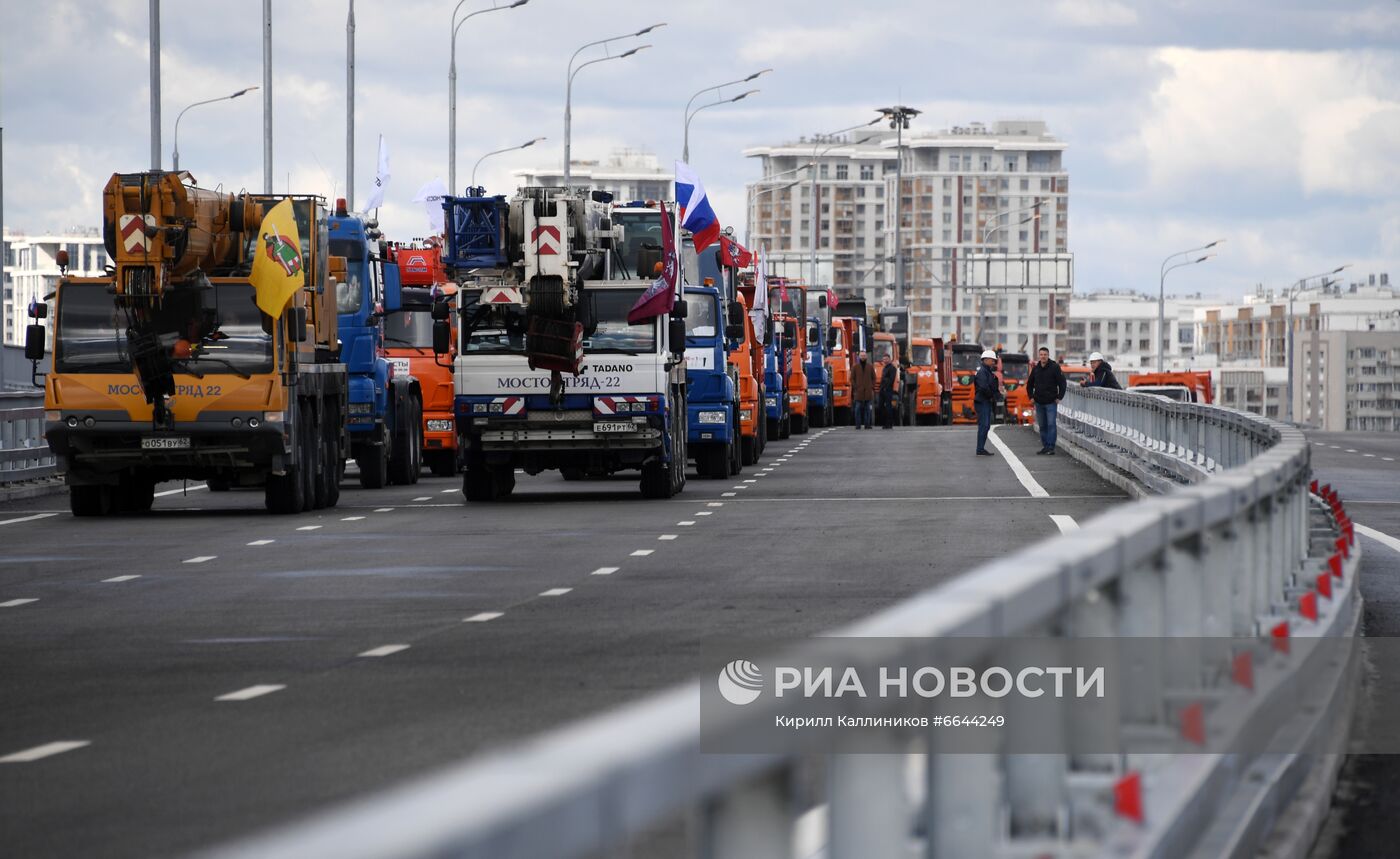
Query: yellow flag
277	263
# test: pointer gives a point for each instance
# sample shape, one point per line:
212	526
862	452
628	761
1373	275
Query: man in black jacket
986	389
888	381
1046	386
1102	376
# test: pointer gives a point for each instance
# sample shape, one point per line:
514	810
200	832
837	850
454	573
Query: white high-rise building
31	270
627	174
966	191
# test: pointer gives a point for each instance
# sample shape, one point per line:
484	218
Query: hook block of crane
1044	271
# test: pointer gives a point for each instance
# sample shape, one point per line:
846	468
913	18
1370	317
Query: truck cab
747	360
787	305
385	417
408	345
712	388
1194	385
964	360
819	385
1015	371
838	368
925	356
885	345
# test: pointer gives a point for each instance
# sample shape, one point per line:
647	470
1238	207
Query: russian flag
696	214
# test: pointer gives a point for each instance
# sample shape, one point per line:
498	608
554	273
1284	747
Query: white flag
430	195
759	312
381	179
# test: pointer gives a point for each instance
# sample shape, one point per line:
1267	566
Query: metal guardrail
24	455
1227	556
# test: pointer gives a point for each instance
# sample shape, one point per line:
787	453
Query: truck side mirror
677	335
734	326
34	342
442	336
296	324
441	311
393	293
831	339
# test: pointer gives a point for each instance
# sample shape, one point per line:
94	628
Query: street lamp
898	117
816	207
690	114
1292	294
569	89
526	145
175	156
1162	295
685	148
452	84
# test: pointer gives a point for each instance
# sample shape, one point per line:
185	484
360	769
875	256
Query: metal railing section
1235	554
24	455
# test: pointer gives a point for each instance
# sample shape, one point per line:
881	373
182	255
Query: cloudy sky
1272	123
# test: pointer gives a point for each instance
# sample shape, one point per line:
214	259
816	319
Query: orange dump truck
1015	371
838	367
1192	386
408	344
747	360
963	359
1075	373
885	344
926	357
787	303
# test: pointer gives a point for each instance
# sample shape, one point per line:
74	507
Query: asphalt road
1365	469
496	621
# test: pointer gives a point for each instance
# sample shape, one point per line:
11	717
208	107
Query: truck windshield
838	339
409	328
790	305
500	329
966	359
701	316
223	327
884	349
1015	370
349	295
640	228
923	355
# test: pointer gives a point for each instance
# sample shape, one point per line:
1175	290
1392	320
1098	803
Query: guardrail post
1141	617
754	819
1183	589
869	808
960	805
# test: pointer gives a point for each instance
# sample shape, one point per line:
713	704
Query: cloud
1095	13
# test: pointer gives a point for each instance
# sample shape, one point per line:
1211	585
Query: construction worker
888	391
986	391
1046	387
863	391
1101	375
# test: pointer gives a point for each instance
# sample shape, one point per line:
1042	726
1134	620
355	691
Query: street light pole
452	85
175	154
986	234
1293	294
267	96
569	90
350	105
753	198
1162	296
899	117
526	145
685	148
155	83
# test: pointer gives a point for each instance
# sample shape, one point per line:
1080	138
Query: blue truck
820	409
384	418
713	326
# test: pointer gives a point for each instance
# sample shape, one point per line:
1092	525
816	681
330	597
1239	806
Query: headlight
361	409
745	414
794	398
926	402
711	417
439	426
272	417
838	392
1025	413
770	401
479	408
814	392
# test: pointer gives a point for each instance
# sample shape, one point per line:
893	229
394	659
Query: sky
1273	124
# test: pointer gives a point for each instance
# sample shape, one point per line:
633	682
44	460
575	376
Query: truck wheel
715	460
310	459
736	457
134	494
90	500
656	480
785	427
762	439
571	473
217	484
502	482
748	450
799	424
484	483
284	493
401	458
374	464
442	463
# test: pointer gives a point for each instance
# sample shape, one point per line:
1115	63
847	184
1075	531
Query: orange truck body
886	345
787	303
1075	373
838	364
963	360
926	357
1015	370
1196	381
747	359
408	345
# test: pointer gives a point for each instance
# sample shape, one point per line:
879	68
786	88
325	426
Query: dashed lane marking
18	602
728	494
1017	468
424	498
684	522
555	592
200	559
604	571
251	692
482	617
383	510
704	513
1380	537
667	537
261	542
751	480
28	518
308	527
47	750
121	578
715	504
1066	524
386	650
1388	459
642	553
351	518
1351	450
181	490
449	491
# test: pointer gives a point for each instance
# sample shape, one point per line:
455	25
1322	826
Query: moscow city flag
277	263
660	297
696	213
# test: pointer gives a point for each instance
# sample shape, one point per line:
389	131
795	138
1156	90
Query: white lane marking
384	510
704	513
121	578
386	650
1035	489
1380	537
308	527
252	692
424	498
449	491
715	504
44	751
1335	446
199	559
1066	524
352	518
1351	450
685	522
667	537
728	494
751	480
482	617
555	592
739	486
642	553
1388	458
261	542
1371	455
769	468
28	518
181	490
18	602
604	571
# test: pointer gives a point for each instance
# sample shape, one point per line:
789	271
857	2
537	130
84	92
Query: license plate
166	442
611	426
401	367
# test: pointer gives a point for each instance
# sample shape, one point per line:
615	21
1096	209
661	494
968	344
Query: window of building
842	171
967	235
947	200
967	201
1012	163
860	190
1044	236
986	163
954	162
822	171
879	225
879	191
947	235
806	208
1023	235
947	217
1046	184
867	172
1025	184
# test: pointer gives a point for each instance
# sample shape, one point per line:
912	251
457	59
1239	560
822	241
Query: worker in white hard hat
986	386
1101	375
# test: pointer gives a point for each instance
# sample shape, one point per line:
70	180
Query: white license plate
401	367
166	442
611	426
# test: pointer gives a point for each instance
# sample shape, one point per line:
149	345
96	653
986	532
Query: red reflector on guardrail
1280	636
1335	562
1193	723
1242	669
1343	547
1127	797
1307	605
1324	584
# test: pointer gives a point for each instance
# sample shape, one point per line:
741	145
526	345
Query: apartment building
1262	391
31	270
627	174
1123	326
1348	380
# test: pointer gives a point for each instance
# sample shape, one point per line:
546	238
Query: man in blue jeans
986	389
1046	387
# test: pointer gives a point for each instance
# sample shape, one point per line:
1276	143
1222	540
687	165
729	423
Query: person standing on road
986	391
863	391
1102	375
1046	387
889	377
